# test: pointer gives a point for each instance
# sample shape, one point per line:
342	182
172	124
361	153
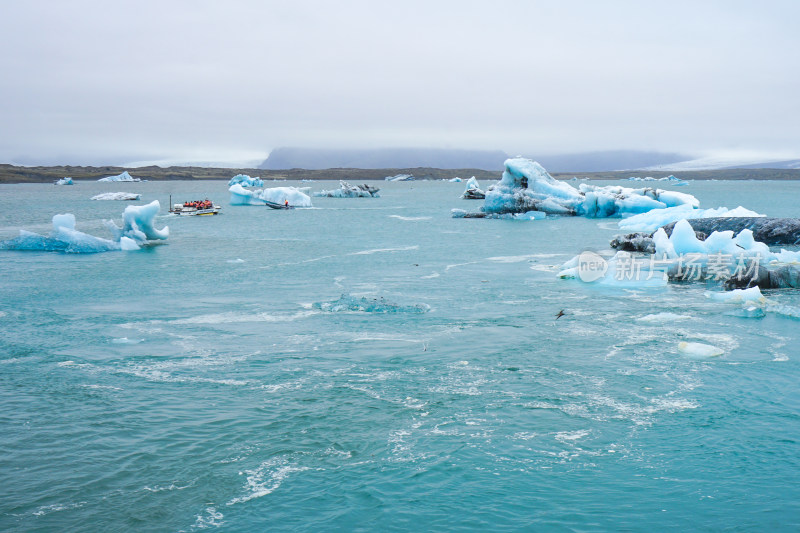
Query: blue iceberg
527	186
246	181
297	197
136	230
64	181
121	177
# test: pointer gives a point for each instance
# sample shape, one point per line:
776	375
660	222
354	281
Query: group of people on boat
199	204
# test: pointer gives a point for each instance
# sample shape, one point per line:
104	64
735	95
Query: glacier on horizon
246	181
137	229
656	218
297	197
400	177
527	186
120	177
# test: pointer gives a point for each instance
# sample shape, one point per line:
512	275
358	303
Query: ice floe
65	181
117	196
346	190
699	350
400	177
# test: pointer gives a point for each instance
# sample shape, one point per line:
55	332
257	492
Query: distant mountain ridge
316	159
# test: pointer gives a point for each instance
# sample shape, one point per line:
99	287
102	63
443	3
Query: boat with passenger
195	208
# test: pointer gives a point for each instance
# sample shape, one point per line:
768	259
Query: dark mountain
607	161
314	159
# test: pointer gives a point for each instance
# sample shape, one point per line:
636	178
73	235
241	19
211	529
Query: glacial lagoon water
376	365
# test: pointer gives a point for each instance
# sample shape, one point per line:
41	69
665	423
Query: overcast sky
92	81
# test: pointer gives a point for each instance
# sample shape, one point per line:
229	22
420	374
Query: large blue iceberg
526	186
137	228
297	197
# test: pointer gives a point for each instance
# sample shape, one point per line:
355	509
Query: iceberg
771	231
297	197
246	181
473	191
656	218
699	350
117	196
64	181
400	177
456	180
137	229
346	190
121	177
527	186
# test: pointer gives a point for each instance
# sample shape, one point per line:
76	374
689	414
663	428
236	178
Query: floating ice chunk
121	177
699	350
456	180
751	296
138	223
346	190
369	305
748	311
297	197
622	271
652	220
400	177
117	196
65	181
246	181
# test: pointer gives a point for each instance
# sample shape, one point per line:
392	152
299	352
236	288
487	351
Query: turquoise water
222	380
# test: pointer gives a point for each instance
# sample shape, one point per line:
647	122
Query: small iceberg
121	177
297	197
64	181
473	191
400	177
456	180
369	305
246	181
698	350
346	190
137	229
117	196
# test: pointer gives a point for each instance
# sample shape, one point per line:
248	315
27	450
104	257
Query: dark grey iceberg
770	231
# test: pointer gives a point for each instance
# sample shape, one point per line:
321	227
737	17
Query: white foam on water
47	509
570	436
126	340
512	258
233	317
410	218
266	479
659	318
237	260
431	276
212	518
383	250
